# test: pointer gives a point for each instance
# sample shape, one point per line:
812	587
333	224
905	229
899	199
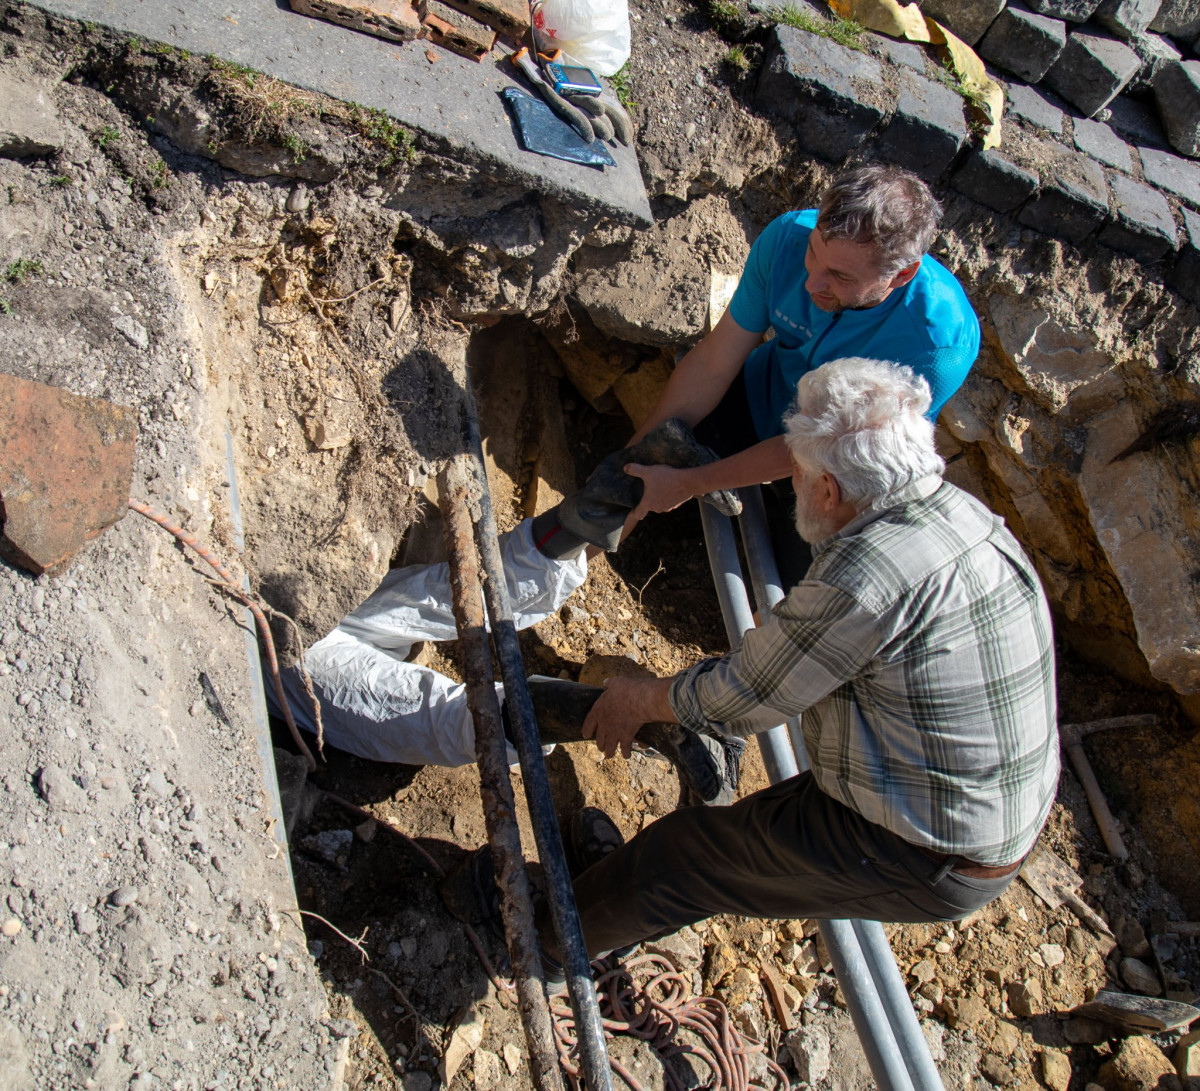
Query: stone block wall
1106	172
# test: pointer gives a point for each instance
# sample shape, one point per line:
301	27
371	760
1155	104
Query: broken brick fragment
456	31
396	20
510	16
65	468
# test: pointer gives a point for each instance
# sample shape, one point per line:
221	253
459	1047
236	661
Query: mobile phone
572	79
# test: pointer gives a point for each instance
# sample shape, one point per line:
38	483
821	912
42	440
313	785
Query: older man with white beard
918	650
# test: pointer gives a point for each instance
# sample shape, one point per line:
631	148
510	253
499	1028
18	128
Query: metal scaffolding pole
887	1026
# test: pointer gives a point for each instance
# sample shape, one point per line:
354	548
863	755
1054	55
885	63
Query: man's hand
620	711
665	489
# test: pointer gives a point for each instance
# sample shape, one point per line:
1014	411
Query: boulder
834	96
1184	277
992	179
927	128
1179	18
29	124
1073	201
1024	43
1141	221
1096	139
1126	18
1139	1064
968	19
1177	92
1029	104
1155	51
1092	70
1170	173
1073	11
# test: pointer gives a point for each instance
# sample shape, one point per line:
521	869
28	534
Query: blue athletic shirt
927	324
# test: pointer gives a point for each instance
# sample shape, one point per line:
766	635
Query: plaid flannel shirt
919	650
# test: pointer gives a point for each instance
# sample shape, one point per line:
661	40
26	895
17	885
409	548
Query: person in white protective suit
377	705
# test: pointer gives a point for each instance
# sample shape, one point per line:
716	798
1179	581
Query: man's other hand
624	706
665	490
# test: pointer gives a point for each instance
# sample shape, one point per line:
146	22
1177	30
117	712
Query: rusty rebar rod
458	499
561	897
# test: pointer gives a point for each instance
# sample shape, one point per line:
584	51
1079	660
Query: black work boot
596	514
709	767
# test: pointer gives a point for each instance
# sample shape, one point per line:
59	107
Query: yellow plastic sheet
897	20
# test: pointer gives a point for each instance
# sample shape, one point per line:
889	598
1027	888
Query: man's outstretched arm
625	706
701	378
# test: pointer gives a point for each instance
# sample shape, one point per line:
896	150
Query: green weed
399	145
622	84
22	269
297	146
61	180
5	306
843	31
160	175
102	138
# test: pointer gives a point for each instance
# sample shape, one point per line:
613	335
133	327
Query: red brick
65	469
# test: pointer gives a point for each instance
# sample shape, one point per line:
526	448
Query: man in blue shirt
850	278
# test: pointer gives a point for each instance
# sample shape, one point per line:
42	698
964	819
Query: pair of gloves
593	117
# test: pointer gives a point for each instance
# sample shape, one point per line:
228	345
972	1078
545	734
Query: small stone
86	922
1140	977
1052	954
488	1074
1132	938
1056	1070
331	846
812	1053
512	1058
923	972
11	927
996	1070
1025	998
133	331
123	896
60	792
969	1011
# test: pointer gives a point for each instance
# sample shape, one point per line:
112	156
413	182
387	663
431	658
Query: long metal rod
887	1026
457	498
589	1027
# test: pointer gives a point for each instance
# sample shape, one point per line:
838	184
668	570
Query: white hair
863	422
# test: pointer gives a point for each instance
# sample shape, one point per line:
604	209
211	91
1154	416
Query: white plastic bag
593	33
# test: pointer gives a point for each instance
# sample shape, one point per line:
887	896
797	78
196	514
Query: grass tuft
843	31
738	59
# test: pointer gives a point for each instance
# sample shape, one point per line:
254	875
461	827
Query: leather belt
969	868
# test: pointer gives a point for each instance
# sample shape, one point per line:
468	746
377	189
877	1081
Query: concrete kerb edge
461	132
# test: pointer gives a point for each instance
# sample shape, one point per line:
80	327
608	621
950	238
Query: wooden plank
395	20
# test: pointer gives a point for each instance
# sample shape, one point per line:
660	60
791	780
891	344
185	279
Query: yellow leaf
886	16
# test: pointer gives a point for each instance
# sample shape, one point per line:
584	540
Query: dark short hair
885	206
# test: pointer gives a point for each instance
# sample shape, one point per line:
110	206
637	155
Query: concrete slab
455	100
